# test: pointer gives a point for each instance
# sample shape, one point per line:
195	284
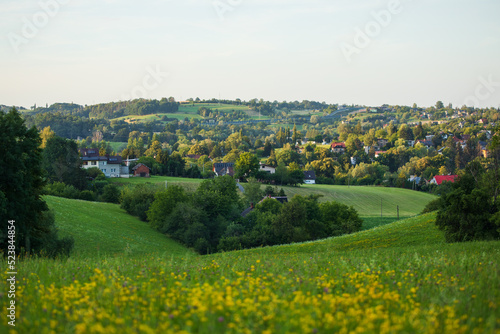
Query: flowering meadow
398	278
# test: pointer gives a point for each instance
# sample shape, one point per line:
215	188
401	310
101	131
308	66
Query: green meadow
398	278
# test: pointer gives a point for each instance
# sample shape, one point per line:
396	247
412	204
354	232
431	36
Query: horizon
373	52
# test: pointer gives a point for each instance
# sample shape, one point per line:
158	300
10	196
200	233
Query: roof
338	145
247	211
139	165
309	175
89	152
425	142
92	154
442	178
225	168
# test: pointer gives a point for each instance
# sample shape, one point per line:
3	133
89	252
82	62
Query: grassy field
193	109
156	117
399	278
118	146
103	229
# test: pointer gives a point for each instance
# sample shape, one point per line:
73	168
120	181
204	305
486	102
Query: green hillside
416	231
399	278
103	229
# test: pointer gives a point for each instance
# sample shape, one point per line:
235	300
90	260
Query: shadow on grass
371	222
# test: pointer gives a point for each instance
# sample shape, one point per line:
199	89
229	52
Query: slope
105	229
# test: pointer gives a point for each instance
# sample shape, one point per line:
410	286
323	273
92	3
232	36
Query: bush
110	194
87	195
137	200
340	218
202	246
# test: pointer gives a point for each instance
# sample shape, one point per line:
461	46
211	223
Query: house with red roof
439	179
338	147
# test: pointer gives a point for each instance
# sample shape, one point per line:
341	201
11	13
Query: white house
309	177
267	168
111	166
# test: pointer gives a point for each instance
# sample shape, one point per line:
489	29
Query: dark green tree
62	162
21	183
468	210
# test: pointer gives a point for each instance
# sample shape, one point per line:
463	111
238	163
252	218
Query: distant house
111	166
309	177
267	169
224	168
426	143
382	142
193	156
338	147
141	170
439	179
378	153
281	199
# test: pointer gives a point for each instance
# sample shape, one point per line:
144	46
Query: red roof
338	145
441	178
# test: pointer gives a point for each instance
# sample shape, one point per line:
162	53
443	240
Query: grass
103	229
156	117
398	278
186	183
118	146
367	199
193	109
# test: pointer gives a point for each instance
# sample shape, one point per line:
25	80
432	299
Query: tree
468	211
21	183
46	134
295	135
252	193
439	105
62	162
340	218
163	205
246	165
110	194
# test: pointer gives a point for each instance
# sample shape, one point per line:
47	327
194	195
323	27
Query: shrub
137	200
86	195
110	194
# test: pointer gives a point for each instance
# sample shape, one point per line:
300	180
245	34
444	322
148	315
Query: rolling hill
103	229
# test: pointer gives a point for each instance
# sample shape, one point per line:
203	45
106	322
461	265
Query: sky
365	52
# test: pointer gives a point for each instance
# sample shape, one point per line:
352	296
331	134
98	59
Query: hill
399	278
103	229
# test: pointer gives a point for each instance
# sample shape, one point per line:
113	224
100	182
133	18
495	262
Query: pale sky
366	52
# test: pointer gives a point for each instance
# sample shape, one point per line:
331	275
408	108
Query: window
104	170
93	163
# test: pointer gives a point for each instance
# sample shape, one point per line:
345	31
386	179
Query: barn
141	170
